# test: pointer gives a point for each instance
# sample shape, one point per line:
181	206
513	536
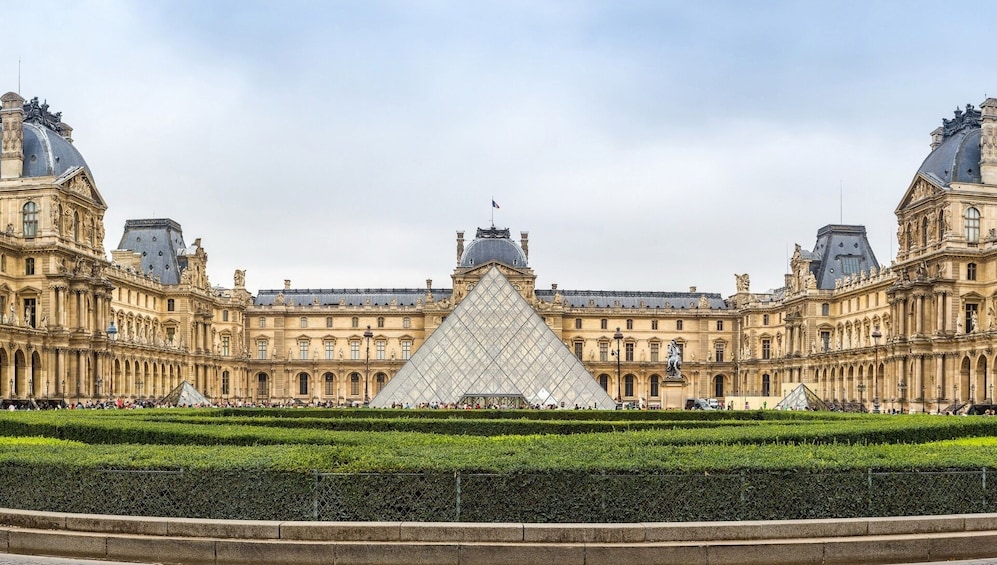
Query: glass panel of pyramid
494	346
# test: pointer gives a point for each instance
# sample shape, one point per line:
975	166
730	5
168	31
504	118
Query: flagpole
493	211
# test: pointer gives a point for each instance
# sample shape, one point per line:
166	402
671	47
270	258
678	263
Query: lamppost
902	387
861	389
876	334
618	336
366	375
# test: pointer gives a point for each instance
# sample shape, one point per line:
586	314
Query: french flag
494	205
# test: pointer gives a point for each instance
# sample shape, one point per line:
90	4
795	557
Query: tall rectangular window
678	325
654	351
328	321
261	349
629	355
304	322
263	322
380	345
719	350
720	325
578	323
329	350
765	319
225	345
225	383
578	349
604	351
654	325
630	324
766	349
603	324
29	266
302	349
406	349
355	350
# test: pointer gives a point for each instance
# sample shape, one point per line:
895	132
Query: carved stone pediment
920	189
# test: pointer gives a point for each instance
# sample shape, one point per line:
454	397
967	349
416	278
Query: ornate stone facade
75	325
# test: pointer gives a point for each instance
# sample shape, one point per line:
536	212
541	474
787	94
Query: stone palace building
79	323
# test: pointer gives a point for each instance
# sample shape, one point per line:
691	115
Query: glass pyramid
801	398
184	395
494	350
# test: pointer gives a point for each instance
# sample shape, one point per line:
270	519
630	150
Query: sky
645	146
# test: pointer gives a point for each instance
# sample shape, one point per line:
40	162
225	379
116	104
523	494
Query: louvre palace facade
81	323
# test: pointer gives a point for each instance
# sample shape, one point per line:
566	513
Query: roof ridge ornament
969	118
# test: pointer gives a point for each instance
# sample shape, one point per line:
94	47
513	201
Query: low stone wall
222	542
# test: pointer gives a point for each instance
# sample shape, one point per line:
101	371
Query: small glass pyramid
494	350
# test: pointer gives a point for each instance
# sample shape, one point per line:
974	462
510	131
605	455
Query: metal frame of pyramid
494	346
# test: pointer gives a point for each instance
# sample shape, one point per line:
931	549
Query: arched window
329	381
654	386
924	232
30	210
604	382
628	385
910	236
766	385
225	383
972	223
355	384
718	386
76	227
262	390
302	383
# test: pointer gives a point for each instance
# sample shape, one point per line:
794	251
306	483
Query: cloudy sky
644	145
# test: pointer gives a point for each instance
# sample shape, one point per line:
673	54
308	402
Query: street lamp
902	387
618	336
366	375
876	334
861	389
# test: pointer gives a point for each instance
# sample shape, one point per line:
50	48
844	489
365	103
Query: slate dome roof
493	244
46	153
957	157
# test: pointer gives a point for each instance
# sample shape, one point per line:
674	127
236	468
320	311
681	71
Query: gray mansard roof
350	297
840	251
633	299
160	242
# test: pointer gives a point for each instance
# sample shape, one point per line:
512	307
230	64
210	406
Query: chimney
524	242
988	141
12	154
936	137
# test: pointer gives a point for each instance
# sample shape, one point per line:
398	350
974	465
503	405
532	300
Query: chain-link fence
484	497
